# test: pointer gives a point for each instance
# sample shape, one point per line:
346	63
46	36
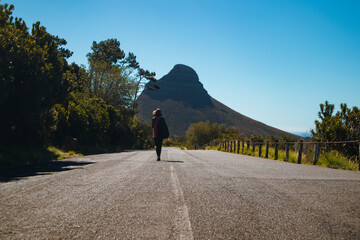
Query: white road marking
182	220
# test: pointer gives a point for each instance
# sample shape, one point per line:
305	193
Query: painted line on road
182	220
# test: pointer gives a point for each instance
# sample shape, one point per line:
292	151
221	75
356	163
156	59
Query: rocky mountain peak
181	84
183	73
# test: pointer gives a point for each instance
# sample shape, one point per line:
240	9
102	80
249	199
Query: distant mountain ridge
302	134
183	101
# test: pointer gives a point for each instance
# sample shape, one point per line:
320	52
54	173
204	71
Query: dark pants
158	143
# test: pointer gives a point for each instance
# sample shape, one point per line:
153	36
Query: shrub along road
188	195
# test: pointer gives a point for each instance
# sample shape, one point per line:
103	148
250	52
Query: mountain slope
183	101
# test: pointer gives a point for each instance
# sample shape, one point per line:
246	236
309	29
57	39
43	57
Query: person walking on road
160	130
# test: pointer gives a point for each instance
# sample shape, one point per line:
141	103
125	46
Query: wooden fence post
316	154
287	151
260	146
253	147
231	143
247	144
243	145
300	151
267	150
238	147
276	150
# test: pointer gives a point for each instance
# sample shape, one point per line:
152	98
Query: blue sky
273	61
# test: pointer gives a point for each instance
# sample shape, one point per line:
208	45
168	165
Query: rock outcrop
182	85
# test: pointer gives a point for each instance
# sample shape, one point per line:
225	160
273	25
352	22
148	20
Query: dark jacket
160	129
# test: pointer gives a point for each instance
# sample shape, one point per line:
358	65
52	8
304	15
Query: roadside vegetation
59	154
332	130
47	103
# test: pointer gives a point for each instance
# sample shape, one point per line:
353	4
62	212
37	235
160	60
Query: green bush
86	119
344	125
202	133
140	134
334	159
60	154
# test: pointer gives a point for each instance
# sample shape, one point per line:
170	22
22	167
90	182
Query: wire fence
298	152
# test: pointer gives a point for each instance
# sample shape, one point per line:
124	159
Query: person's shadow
175	161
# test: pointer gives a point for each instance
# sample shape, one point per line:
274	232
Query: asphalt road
188	195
